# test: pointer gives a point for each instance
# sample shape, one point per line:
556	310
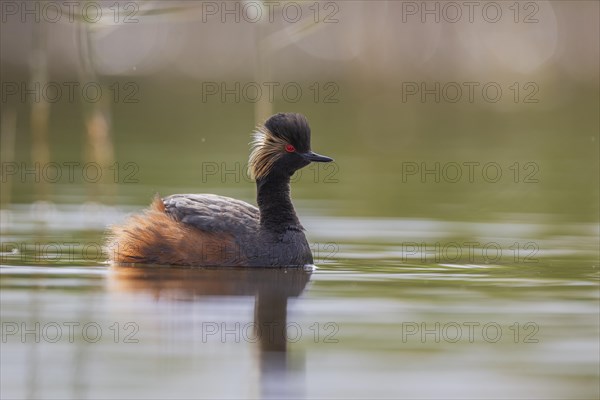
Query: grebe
211	230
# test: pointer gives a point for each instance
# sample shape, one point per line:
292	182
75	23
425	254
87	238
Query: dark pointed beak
314	157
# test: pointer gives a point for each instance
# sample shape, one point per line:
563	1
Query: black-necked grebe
211	230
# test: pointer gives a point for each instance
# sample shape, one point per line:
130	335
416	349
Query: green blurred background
360	58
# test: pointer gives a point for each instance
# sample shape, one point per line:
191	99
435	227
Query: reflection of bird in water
211	230
271	288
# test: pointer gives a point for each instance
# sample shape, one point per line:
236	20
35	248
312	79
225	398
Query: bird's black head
282	146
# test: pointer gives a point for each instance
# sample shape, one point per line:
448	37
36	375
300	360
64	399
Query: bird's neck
276	209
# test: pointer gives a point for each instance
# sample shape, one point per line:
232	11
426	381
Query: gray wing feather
212	213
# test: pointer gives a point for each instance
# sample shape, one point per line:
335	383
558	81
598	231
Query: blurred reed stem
99	147
40	108
8	129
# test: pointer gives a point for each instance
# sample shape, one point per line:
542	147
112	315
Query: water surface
396	308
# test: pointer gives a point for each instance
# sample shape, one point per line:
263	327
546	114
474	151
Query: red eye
289	148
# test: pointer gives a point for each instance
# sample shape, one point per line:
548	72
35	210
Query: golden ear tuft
266	149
